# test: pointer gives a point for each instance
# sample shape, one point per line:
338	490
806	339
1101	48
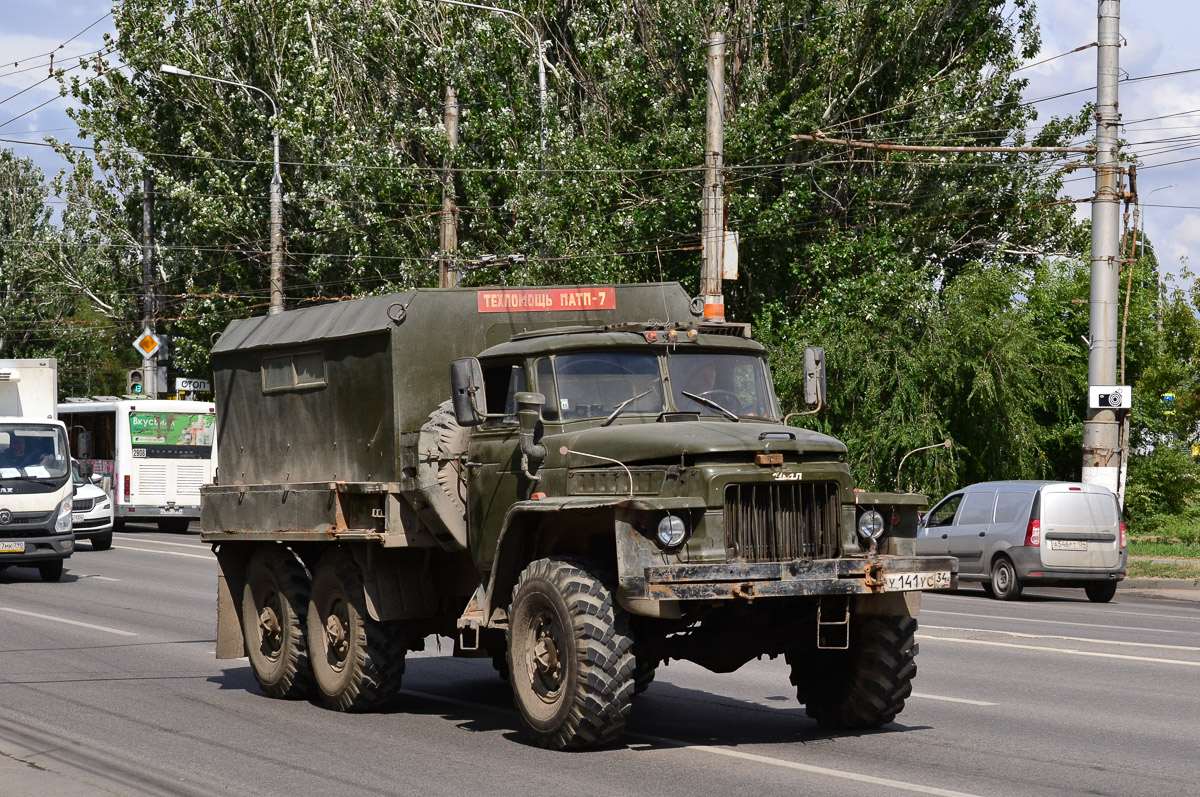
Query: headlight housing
672	531
63	524
870	525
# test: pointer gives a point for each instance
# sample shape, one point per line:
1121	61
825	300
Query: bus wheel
274	602
357	662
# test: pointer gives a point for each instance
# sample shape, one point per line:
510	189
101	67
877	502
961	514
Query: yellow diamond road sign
147	343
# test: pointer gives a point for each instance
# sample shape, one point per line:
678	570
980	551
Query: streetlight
276	188
944	444
540	58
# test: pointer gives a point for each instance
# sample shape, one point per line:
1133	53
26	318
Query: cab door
494	478
934	534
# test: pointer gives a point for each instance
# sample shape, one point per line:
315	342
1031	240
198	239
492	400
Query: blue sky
1159	38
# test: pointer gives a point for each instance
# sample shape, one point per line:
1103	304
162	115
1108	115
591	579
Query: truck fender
231	581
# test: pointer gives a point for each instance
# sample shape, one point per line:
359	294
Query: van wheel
570	658
51	571
102	542
357	662
1005	584
274	603
864	686
1100	591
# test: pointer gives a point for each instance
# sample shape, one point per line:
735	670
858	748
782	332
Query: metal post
149	310
276	235
448	273
1101	439
712	240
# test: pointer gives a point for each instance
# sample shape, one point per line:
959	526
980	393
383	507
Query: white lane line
1055	622
68	622
89	575
724	751
1019	635
208	556
954	699
1067	651
138	538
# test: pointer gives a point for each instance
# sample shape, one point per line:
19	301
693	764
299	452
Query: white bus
153	455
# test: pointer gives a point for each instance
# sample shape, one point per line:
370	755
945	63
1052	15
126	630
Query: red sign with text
545	300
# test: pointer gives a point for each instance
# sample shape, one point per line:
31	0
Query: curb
1159	583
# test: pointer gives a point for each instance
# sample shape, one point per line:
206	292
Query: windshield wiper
623	405
710	403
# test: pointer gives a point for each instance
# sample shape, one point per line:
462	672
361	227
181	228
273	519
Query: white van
1008	535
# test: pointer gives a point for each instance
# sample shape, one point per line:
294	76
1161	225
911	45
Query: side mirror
466	391
85	469
814	376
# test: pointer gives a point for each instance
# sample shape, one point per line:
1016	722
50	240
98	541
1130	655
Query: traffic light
134	382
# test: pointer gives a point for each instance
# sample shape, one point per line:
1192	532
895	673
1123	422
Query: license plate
76	518
170	510
1068	545
903	582
12	547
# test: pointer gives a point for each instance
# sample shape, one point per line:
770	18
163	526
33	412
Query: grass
1163	570
1168	549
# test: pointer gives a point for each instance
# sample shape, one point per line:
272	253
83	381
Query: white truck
36	489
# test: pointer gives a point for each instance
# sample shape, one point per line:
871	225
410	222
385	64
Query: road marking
954	699
1068	651
1059	622
724	751
89	575
209	556
68	622
1019	635
139	538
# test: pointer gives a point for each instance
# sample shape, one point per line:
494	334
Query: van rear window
1079	509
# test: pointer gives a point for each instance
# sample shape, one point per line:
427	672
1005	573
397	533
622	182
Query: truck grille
781	522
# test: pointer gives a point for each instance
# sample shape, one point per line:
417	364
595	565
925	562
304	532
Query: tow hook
873	575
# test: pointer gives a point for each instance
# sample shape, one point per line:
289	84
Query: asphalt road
108	685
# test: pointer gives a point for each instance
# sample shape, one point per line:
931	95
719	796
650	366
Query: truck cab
36	492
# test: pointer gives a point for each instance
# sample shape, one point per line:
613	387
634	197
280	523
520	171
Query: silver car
1009	535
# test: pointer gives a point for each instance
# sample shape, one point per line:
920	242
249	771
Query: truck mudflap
853	576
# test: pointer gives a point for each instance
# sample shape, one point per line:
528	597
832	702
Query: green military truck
581	483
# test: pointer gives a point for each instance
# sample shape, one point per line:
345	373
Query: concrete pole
276	235
712	238
1101	438
149	295
448	273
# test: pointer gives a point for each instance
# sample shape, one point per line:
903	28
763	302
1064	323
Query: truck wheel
643	675
864	686
51	571
102	542
274	602
1005	584
356	661
1100	591
569	655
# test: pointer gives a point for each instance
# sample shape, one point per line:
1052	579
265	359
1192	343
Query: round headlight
870	525
671	531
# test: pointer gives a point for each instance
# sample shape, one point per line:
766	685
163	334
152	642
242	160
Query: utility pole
1101	439
712	239
276	305
448	275
149	309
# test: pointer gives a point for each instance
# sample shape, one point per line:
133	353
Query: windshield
737	382
592	385
38	452
596	384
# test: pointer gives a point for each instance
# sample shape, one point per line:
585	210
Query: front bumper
850	576
38	549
